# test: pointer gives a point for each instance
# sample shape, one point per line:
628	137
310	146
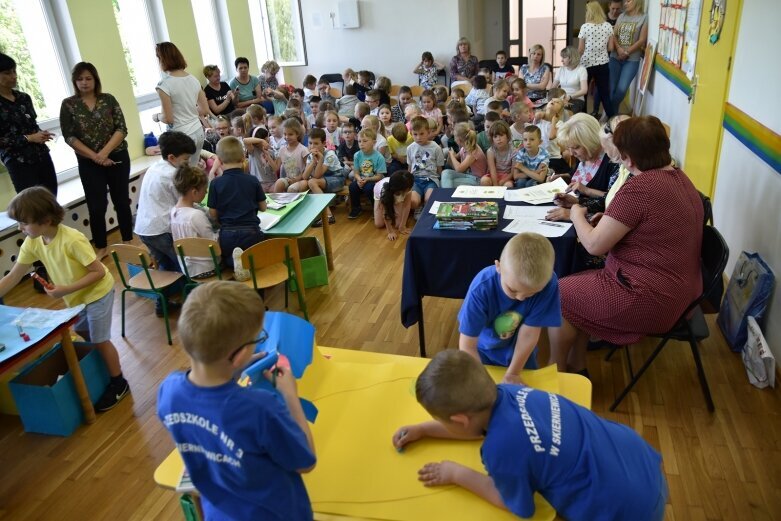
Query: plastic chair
394	91
273	262
417	90
199	247
150	282
691	326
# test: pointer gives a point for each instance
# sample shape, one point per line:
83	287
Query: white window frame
224	37
154	10
267	51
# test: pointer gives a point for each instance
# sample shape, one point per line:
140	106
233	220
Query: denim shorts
96	318
423	184
333	183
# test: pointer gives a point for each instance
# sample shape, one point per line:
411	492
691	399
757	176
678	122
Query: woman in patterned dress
93	125
652	234
536	74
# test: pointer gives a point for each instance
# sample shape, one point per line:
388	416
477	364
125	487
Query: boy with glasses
245	449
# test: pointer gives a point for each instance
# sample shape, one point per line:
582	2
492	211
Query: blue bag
748	294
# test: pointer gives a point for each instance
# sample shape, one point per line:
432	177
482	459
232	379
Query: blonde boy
586	467
245	448
508	304
368	167
521	115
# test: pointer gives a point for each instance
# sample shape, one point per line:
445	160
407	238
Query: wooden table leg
327	239
78	377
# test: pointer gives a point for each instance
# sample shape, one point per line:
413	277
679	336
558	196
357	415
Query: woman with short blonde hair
594	42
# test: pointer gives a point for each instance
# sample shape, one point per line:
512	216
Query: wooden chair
466	87
394	91
199	247
273	262
336	92
417	90
150	282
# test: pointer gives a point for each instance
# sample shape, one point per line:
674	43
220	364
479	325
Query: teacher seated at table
652	235
581	136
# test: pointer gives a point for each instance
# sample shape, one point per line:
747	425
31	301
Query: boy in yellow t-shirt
77	275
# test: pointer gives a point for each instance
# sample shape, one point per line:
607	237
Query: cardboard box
313	263
48	404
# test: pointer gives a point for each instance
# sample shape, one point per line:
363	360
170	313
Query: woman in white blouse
182	100
594	43
573	79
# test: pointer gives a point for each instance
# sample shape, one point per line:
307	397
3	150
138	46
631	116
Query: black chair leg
629	362
639	374
609	355
701	372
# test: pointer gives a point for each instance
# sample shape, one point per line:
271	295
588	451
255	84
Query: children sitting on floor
190	219
398	142
332	130
586	467
347	148
234	200
345	106
469	166
386	118
519	93
508	304
429	108
425	160
405	98
244	448
499	157
77	276
521	115
292	156
368	168
483	141
392	203
478	95
530	164
548	122
323	172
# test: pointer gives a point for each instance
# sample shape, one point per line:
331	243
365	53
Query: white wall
663	99
748	190
389	42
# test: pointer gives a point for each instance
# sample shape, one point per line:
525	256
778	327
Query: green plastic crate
313	263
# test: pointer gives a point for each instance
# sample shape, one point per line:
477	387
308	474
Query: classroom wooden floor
725	465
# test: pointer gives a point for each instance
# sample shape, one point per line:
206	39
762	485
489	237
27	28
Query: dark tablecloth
442	263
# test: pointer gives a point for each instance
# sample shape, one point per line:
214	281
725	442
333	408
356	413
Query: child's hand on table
406	435
438	474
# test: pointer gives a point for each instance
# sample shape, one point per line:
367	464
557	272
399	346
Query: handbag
748	294
758	359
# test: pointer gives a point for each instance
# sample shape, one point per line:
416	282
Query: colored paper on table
359	473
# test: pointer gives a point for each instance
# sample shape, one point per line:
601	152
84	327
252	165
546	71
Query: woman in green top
629	37
93	125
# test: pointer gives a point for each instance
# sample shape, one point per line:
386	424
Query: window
214	35
278	31
138	42
37	34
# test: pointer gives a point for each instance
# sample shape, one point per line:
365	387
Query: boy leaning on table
77	275
508	304
245	449
586	467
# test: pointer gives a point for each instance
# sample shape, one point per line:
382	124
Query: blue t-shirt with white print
241	448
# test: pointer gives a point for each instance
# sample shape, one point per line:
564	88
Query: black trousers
25	175
601	75
97	180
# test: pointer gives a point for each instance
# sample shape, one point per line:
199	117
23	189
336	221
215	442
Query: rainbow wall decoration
758	138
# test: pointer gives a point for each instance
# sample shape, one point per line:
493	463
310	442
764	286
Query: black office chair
486	64
691	326
333	80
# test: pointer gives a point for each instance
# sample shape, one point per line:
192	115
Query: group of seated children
533	441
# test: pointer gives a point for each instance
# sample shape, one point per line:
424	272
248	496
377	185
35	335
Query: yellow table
362	398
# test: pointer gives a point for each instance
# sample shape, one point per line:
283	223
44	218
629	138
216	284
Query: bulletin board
679	27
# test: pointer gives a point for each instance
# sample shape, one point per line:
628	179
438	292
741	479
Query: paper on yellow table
358	471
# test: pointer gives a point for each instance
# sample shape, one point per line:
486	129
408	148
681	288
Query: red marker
22	334
43	282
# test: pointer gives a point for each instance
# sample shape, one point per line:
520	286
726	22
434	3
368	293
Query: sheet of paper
480	192
525	212
434	207
6	222
539	194
361	405
544	228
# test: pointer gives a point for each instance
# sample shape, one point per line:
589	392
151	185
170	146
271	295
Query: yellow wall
241	31
98	38
182	32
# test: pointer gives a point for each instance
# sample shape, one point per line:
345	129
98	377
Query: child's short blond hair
530	257
217	318
399	132
368	133
419	123
454	382
432	124
517	108
229	150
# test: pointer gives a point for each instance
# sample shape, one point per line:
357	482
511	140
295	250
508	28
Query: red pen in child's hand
43	282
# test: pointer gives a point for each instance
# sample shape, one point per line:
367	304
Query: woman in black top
22	142
218	93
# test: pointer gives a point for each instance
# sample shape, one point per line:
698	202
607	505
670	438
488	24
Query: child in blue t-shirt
586	467
368	167
244	448
530	164
508	304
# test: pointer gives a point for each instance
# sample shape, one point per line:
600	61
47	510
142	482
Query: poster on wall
691	34
645	77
